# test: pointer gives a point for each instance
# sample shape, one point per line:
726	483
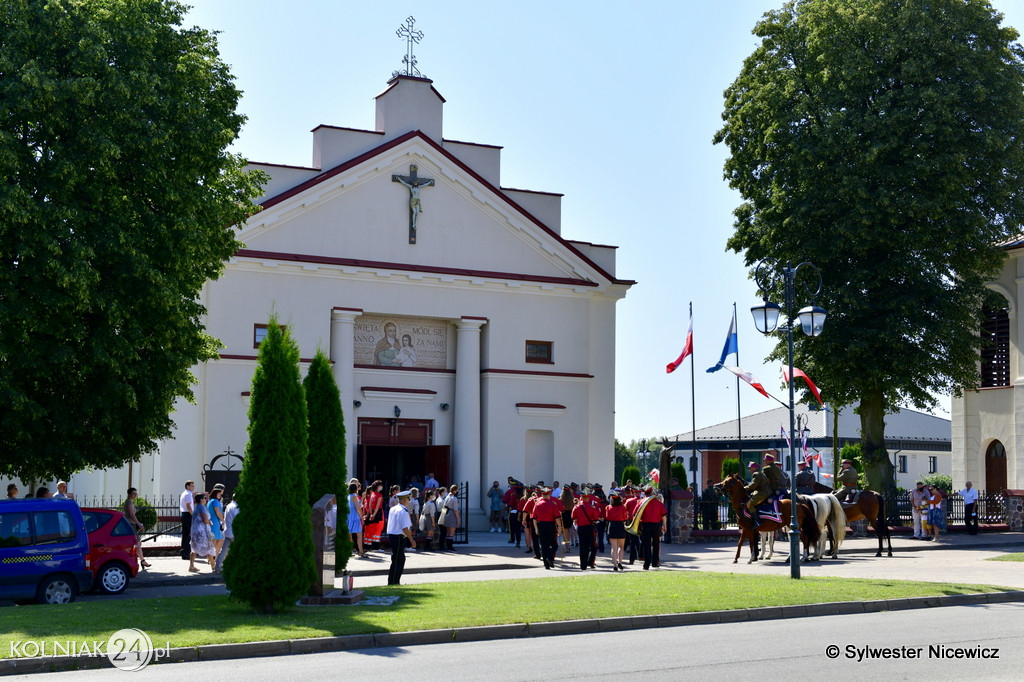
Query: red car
113	549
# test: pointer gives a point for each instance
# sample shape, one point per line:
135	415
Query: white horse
828	512
768	543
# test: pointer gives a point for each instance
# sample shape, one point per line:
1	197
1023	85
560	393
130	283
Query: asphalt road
901	645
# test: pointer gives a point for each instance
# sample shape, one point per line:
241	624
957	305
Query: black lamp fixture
444	407
398	411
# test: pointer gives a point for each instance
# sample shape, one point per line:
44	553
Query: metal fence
168	513
991	509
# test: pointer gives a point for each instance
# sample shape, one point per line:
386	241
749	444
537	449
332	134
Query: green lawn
189	621
1019	556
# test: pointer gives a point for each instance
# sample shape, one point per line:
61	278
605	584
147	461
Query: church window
933	465
995	349
539	351
259	332
902	459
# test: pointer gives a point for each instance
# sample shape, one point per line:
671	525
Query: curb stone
19	666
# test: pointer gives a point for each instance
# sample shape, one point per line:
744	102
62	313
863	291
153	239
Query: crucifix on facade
414	183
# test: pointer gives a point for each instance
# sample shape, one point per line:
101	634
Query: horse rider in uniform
804	479
848	478
777	479
759	489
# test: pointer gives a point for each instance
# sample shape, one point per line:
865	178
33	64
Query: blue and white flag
731	345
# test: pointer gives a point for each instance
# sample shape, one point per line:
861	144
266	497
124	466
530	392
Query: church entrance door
398	451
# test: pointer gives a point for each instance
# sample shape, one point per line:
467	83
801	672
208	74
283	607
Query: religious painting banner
390	341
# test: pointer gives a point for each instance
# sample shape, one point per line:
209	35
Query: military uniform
848	478
759	489
805	482
776	477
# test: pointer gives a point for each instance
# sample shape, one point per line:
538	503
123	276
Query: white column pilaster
466	446
343	357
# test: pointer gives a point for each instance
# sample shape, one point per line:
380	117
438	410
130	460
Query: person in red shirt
586	515
546	518
509	499
526	518
653	524
632	502
617	515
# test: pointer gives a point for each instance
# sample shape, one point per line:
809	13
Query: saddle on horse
848	497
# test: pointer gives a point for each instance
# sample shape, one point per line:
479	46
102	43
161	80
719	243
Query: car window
94	520
52	527
123	528
14	529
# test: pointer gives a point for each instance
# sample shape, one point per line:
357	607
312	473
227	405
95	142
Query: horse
828	514
768	543
733	487
869	506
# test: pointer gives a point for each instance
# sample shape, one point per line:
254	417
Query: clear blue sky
612	104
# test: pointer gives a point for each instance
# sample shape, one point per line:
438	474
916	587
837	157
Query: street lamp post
766	319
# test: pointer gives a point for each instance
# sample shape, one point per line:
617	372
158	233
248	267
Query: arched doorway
995	467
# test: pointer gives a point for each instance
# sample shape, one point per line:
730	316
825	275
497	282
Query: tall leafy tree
270	564
117	201
326	441
881	140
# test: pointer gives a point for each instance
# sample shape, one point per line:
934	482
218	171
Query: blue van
44	551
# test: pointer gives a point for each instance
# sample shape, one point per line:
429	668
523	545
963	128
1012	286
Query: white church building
468	337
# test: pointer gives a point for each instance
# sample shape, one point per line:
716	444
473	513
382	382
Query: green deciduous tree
881	140
623	458
117	201
270	564
327	471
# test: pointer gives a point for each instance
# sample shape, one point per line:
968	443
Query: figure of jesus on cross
414	184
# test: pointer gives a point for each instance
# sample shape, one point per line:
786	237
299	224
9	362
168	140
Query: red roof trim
227	356
536	373
389	389
406	369
553	406
533	191
281	165
312	182
472	144
354	130
409	267
599	246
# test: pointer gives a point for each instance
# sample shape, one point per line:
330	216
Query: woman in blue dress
202	537
216	509
355	518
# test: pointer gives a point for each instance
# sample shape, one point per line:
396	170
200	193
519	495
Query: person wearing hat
848	478
653	524
399	529
777	482
509	499
586	515
530	500
602	503
759	489
546	517
804	479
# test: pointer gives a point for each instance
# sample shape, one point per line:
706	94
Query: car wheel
57	589
113	578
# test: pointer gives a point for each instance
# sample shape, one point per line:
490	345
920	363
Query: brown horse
869	506
733	487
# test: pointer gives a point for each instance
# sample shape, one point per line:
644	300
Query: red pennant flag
687	349
810	384
749	378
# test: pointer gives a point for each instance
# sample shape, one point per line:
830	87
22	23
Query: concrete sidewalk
488	556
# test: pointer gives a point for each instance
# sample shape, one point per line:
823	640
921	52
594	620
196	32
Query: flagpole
693	414
739	418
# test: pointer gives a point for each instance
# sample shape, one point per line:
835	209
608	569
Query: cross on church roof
411	35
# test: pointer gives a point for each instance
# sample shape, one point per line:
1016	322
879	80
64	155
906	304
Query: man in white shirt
229	534
62	491
399	529
917	509
185	505
970	496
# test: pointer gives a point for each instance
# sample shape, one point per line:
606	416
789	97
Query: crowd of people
435	514
206	526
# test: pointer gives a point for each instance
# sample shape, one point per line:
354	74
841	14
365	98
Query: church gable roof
467	224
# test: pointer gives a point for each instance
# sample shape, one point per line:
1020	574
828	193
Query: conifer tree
271	560
326	442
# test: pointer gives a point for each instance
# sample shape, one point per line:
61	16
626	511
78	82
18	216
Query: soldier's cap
573	485
648	488
544	490
588	491
597	486
753	465
769	458
801	463
846	461
404	493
